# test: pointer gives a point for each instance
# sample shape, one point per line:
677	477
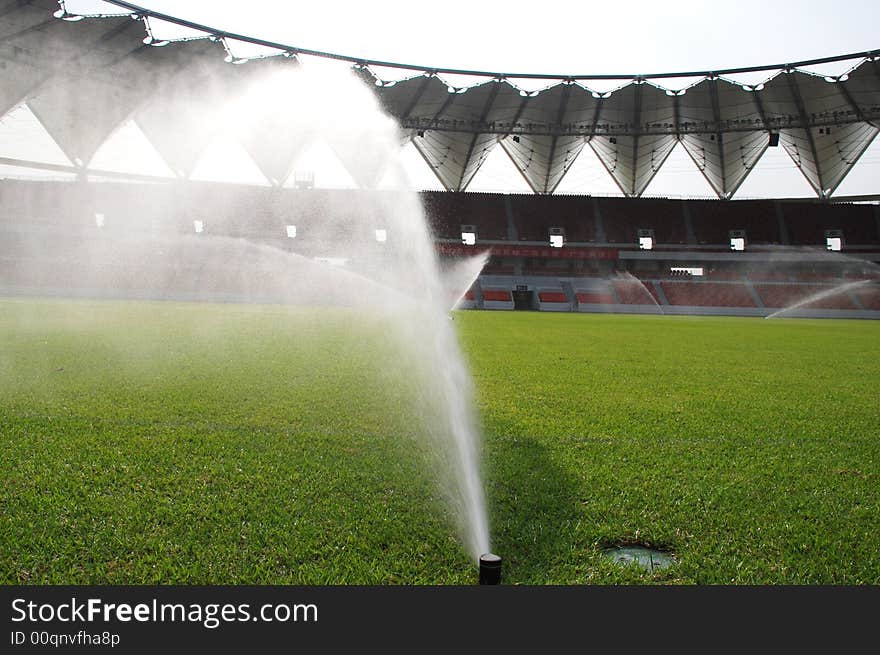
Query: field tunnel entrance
523	298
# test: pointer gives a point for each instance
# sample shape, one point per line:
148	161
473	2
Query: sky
572	38
642	36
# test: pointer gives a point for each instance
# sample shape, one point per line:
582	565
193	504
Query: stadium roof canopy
83	78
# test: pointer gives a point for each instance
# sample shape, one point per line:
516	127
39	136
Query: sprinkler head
490	569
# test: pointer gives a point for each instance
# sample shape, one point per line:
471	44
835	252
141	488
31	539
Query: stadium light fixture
198	226
63	14
291	231
833	243
468	238
556	240
646	243
149	39
156	43
99	220
381	235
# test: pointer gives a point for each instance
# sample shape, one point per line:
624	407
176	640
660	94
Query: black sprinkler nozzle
490	569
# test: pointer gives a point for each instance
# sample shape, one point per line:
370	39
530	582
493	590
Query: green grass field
231	444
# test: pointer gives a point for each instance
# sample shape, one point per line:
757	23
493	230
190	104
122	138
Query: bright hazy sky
636	36
641	36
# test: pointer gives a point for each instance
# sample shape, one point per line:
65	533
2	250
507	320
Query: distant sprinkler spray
490	569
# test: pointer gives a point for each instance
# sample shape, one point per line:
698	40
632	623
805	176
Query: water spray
490	569
821	295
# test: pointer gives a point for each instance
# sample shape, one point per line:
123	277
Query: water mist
399	275
336	258
819	296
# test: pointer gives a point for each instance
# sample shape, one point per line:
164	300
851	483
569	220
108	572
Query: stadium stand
807	222
594	298
707	294
620	220
553	300
713	220
868	297
634	292
768	275
785	238
64	212
665	218
552	296
784	295
533	217
497	299
723	274
445	213
496	295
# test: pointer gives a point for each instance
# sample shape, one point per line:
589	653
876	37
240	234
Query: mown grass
163	442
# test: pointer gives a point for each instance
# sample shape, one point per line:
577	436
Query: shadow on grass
546	528
534	511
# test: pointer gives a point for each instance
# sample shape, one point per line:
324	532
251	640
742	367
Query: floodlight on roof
63	14
156	43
